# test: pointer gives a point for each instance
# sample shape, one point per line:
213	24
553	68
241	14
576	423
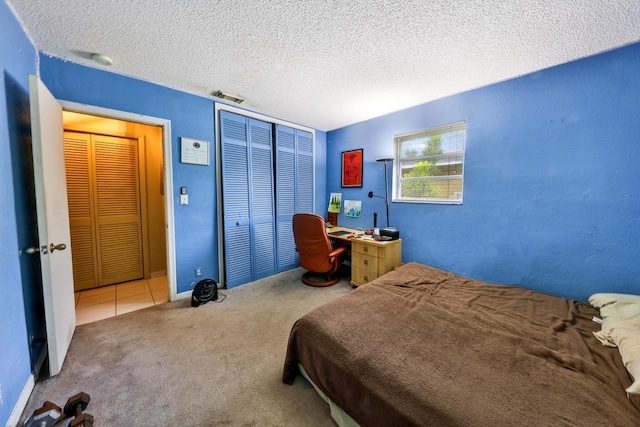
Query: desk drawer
360	276
365	249
368	262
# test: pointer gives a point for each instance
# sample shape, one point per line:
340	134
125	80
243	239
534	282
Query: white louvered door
106	226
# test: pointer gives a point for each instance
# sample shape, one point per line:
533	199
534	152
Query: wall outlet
192	285
198	271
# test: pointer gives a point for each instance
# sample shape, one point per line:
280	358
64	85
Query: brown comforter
420	346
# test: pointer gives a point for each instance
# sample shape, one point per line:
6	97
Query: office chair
316	253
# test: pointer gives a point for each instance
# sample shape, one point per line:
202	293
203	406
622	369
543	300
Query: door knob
32	250
58	247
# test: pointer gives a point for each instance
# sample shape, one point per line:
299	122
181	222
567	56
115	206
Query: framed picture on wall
353	208
352	168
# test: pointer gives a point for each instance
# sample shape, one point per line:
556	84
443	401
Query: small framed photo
352	168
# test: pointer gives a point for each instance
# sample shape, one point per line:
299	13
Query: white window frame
400	163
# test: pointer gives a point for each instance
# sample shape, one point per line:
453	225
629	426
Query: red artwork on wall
352	168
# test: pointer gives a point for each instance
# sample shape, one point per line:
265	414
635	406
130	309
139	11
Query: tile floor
109	301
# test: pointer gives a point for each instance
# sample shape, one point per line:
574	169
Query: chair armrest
337	252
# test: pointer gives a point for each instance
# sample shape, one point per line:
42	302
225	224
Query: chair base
315	279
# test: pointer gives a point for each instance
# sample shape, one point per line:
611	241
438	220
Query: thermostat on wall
194	151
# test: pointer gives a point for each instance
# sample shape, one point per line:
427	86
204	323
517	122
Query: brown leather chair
316	253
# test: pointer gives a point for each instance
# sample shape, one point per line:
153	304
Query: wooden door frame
168	173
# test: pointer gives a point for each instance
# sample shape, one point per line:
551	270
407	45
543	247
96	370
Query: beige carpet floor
219	364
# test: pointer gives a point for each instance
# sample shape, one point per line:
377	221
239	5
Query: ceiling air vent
227	97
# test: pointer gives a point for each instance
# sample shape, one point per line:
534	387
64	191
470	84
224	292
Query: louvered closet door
304	171
119	224
286	196
248	198
235	190
79	185
104	209
262	199
295	187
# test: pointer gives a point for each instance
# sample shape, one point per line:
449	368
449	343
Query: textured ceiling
327	64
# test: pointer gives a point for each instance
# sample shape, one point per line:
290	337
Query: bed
421	346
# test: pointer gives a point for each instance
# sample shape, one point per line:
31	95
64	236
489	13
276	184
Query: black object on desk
390	232
339	233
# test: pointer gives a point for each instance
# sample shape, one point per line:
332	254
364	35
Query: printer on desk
390	232
387	233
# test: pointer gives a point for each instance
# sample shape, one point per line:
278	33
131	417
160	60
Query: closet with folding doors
103	175
267	176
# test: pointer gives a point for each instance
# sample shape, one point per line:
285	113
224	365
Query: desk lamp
386	185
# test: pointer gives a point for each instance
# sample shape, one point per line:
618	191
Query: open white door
53	221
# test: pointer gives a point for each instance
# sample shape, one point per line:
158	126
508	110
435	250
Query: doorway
116	186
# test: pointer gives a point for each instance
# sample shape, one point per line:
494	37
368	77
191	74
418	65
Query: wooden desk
370	258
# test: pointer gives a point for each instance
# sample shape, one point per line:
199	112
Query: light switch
184	199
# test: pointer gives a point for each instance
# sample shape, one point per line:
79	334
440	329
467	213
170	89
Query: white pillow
615	307
626	335
621	328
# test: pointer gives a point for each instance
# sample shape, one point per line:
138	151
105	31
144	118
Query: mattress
421	346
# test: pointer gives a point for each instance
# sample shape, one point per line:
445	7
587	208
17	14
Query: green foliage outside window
430	164
423	168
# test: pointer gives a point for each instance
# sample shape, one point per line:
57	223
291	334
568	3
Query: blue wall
195	224
551	198
191	116
17	61
552	182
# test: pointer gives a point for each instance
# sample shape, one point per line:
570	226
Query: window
429	165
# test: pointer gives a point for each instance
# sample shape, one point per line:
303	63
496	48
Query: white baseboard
183	295
14	419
